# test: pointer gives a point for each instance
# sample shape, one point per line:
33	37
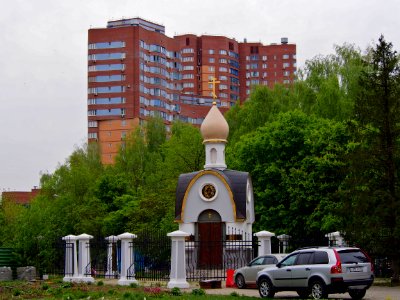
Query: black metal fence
152	251
97	251
152	255
212	259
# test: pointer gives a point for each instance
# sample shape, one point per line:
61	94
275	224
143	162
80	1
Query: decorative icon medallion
208	191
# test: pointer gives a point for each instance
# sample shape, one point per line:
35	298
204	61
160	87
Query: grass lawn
57	289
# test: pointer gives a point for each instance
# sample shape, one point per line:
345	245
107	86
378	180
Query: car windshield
352	257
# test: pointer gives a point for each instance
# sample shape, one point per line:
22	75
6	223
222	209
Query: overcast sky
43	65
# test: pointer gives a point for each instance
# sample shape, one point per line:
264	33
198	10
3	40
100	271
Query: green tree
329	83
295	163
371	193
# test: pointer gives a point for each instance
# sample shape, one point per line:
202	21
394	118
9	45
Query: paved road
373	293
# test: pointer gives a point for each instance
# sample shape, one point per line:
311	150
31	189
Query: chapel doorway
210	237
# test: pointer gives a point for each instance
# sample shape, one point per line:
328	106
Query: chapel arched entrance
210	230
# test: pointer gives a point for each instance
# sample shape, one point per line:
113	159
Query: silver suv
319	271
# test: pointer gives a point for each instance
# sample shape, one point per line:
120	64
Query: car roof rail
310	247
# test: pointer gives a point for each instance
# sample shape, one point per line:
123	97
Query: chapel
216	203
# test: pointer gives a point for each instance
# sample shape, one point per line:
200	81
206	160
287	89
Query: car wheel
357	294
303	294
265	288
318	289
239	280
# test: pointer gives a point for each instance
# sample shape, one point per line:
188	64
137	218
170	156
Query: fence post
177	276
71	258
112	239
284	241
126	258
84	266
264	237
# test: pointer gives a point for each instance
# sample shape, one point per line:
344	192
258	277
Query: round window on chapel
208	192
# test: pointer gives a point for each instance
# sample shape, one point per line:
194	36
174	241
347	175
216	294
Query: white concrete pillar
112	239
284	241
71	258
264	239
84	267
127	259
177	276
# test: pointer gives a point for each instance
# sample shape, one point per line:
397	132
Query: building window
107	45
285	56
264	58
188	85
223	52
187	76
223	61
264	66
211	51
223	69
188	50
106	56
110	67
286	65
92	124
188	68
187	59
92	135
254	81
211	69
187	41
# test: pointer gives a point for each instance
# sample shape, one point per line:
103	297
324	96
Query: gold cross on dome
214	82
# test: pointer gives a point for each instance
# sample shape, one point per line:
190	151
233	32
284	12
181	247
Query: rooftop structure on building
20	197
135	71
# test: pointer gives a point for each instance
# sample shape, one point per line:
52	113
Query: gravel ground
373	293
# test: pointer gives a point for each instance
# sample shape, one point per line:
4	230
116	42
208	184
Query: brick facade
135	71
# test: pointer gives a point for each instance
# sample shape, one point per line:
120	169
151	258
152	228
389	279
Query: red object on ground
229	278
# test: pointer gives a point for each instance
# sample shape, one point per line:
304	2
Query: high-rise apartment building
136	71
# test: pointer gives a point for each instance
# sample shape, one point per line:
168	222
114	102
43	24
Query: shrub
234	294
176	291
100	283
133	285
198	292
66	285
